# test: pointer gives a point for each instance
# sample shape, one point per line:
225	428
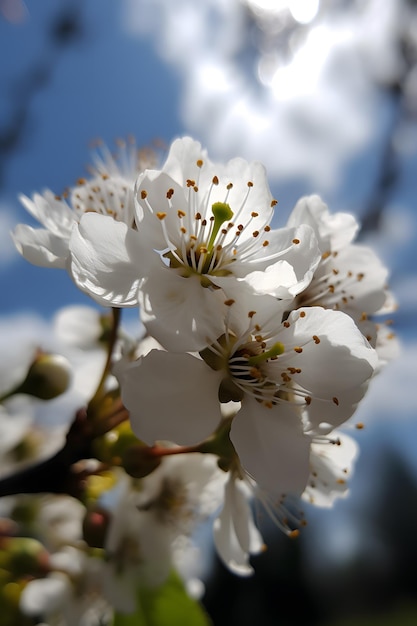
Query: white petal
331	466
181	162
171	396
333	232
235	534
272	447
41	247
103	260
336	361
54	214
370	278
179	312
45	595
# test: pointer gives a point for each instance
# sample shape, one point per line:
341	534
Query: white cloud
242	96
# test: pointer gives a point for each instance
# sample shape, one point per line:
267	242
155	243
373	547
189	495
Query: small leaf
166	605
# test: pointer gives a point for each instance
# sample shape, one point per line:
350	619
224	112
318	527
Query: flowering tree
254	345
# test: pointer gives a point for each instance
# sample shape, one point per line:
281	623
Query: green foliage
164	606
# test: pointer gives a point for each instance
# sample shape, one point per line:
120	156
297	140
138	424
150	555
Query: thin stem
97	397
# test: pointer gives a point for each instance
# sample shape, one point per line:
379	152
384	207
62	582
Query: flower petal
171	396
179	312
272	447
40	246
103	262
235	534
335	362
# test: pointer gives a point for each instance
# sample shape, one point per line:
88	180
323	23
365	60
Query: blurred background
324	93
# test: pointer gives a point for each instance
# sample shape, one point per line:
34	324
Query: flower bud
138	461
95	525
48	377
23	556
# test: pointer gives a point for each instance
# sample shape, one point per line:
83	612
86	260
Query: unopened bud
48	377
95	525
138	460
109	448
23	556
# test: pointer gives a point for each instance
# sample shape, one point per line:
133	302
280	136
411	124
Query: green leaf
164	606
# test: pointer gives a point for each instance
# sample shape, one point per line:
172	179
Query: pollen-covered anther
250	183
161	216
360	276
229	302
199	162
308	400
81	181
254	214
215	180
293	534
296	241
170	193
251	314
267	228
265	243
274	203
298	349
181	214
255	373
229	186
316	339
302	314
360	426
286	324
255	233
335	400
190	182
143	194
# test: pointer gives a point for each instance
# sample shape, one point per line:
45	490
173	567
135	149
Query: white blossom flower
331	464
199	227
350	277
147	518
293	378
109	191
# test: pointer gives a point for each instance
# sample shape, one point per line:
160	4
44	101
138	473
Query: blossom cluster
258	344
